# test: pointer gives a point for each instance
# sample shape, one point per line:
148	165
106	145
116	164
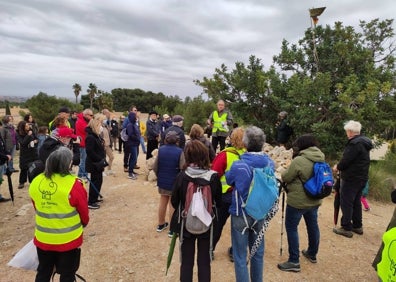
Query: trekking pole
282	189
93	186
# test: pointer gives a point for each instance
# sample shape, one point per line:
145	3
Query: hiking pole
93	186
282	189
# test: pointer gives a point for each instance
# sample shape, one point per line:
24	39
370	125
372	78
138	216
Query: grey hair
254	139
353	126
59	161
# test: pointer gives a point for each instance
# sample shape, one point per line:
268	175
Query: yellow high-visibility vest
232	155
57	222
386	268
218	122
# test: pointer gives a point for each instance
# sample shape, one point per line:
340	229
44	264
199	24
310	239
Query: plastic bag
199	210
26	257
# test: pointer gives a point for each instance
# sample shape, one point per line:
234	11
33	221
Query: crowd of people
88	141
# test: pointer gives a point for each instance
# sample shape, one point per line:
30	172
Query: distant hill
15	99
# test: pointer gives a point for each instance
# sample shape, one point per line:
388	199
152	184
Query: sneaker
136	167
366	209
93	206
170	234
20	186
230	255
308	256
358	230
343	232
289	266
110	172
162	227
126	169
2	200
132	176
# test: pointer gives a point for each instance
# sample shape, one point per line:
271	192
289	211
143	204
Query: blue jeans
143	145
241	243
81	167
133	158
293	217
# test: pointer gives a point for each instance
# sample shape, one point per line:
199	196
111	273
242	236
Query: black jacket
355	161
94	146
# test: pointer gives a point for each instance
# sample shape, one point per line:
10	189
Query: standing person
11	144
95	162
299	204
196	170
60	201
42	134
384	262
221	164
121	143
5	156
33	125
220	121
127	153
105	134
73	119
353	166
165	123
152	133
244	228
283	129
167	165
28	150
177	125
142	127
81	123
133	143
197	133
114	133
64	113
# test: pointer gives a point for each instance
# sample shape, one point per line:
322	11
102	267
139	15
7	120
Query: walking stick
93	186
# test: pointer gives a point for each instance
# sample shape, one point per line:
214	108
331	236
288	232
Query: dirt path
121	243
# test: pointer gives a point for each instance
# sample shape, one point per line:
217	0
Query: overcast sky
159	46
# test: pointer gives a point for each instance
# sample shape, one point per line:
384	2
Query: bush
382	178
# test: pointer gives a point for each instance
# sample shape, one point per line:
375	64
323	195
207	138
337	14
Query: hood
195	172
313	154
50	143
132	117
363	140
257	159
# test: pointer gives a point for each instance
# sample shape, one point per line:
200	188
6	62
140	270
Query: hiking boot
93	206
289	266
308	256
162	227
343	232
358	230
230	255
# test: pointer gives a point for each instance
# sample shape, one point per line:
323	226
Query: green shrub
382	178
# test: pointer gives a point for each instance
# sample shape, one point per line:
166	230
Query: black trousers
351	206
95	186
218	224
65	263
188	254
151	146
218	140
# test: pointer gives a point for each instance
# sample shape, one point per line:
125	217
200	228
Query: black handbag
100	165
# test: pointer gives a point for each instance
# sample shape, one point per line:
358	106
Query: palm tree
92	91
77	90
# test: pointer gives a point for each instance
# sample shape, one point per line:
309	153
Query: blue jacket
133	130
241	174
168	165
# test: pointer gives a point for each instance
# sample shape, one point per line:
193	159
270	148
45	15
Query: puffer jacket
355	161
299	171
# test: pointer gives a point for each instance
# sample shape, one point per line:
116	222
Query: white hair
353	126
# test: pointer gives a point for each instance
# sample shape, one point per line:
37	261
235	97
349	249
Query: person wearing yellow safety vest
220	121
60	201
384	262
221	164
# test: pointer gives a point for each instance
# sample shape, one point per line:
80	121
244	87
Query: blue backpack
263	193
321	183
